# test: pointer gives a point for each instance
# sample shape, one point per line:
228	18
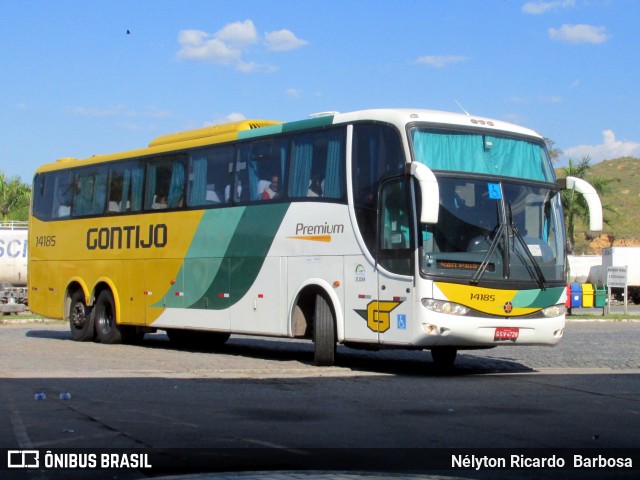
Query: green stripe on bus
247	250
316	122
537	298
322	121
225	256
260	132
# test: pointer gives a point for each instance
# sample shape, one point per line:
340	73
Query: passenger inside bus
315	187
212	195
272	190
159	202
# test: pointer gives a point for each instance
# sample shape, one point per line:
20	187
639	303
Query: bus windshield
499	214
494	230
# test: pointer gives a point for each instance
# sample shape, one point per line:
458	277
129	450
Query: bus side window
43	190
165	182
126	184
317	165
394	253
377	153
260	169
209	175
63	194
91	191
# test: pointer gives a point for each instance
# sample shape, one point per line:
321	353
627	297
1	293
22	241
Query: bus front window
492	230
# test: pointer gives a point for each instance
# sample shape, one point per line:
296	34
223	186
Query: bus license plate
506	333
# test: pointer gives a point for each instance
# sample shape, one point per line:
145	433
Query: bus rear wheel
80	319
324	333
104	317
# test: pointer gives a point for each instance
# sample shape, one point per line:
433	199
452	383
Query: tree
575	206
14	198
554	153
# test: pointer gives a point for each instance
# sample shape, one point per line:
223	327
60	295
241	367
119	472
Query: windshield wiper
485	261
539	276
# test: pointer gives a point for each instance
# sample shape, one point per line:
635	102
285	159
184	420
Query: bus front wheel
80	320
104	313
324	336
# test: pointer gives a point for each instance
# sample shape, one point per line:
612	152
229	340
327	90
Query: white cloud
231	44
439	61
230	118
537	8
235	117
238	33
580	33
293	92
199	45
608	149
283	40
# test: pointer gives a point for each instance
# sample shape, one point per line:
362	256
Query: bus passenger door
361	300
394	255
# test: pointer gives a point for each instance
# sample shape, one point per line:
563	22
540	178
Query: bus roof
403	116
256	128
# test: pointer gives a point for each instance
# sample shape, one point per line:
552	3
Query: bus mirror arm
430	193
591	197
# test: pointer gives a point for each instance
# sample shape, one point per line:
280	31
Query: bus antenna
462	108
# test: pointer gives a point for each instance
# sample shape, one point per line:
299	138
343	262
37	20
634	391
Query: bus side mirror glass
430	193
591	197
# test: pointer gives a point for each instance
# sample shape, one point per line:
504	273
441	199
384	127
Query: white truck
13	266
620	257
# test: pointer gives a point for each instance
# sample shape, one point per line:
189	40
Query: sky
91	77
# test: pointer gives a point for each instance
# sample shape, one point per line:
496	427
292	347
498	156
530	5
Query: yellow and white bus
379	228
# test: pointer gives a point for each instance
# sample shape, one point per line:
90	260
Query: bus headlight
443	306
553	310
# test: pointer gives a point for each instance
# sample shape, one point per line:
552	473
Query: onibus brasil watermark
69	460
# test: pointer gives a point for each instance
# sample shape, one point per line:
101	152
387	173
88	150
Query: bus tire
324	333
80	319
104	318
444	357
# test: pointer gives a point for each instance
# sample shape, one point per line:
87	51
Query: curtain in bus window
457	152
137	186
301	166
176	187
254	177
99	194
480	154
514	158
283	158
333	179
125	203
198	193
151	185
84	195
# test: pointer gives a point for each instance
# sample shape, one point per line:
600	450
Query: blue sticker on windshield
494	191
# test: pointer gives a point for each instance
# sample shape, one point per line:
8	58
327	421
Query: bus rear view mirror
591	197
430	193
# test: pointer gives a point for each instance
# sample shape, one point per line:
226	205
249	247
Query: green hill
624	199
